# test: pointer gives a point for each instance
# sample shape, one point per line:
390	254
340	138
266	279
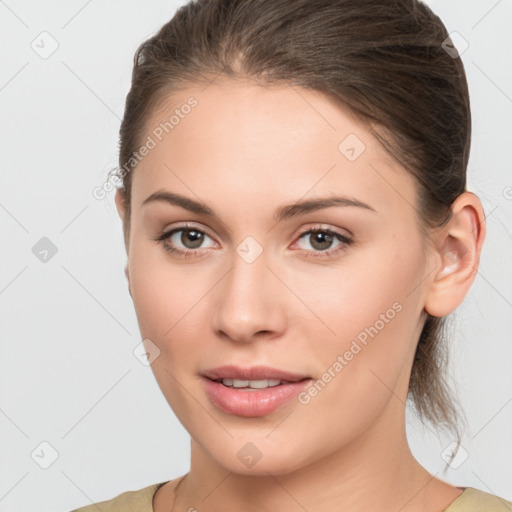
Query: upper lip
251	373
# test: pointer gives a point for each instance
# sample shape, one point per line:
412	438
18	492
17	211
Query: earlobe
459	244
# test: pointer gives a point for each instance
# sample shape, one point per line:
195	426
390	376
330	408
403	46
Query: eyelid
344	242
325	227
298	234
187	225
344	239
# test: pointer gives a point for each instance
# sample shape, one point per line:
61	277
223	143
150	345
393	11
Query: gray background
68	375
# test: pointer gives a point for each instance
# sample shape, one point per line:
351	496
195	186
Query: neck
375	471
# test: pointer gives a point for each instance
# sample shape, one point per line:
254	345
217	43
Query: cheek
372	306
363	285
365	365
168	301
164	295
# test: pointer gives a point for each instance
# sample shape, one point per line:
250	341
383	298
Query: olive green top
471	500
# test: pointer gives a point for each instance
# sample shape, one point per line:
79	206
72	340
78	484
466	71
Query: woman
297	225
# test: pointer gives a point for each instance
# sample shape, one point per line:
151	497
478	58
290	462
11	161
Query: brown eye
323	242
186	241
320	240
191	238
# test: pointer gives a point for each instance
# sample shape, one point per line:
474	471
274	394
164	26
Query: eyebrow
300	207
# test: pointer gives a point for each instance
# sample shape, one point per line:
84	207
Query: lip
251	403
251	373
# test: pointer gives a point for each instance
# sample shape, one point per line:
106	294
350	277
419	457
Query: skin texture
245	151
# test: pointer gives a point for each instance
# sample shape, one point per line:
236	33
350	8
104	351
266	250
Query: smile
251	384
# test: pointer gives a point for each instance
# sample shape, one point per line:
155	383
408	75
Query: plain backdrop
73	397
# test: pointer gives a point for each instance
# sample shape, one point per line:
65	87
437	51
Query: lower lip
259	402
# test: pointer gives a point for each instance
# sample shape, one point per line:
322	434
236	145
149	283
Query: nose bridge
248	302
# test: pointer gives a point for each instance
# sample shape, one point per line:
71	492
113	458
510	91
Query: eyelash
191	253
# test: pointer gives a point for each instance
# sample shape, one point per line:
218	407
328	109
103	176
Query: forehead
241	140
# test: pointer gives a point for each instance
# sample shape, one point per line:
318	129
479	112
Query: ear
120	203
458	246
127	274
121	210
120	199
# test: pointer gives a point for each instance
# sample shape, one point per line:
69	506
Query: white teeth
253	384
240	383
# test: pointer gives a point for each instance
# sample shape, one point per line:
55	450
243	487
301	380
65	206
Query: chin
260	457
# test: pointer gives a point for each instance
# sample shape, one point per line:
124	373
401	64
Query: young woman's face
243	281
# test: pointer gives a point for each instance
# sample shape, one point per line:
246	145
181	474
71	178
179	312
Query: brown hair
383	60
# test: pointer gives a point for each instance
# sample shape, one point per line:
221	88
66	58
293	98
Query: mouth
252	374
251	384
251	392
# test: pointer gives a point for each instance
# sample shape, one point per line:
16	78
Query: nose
250	305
